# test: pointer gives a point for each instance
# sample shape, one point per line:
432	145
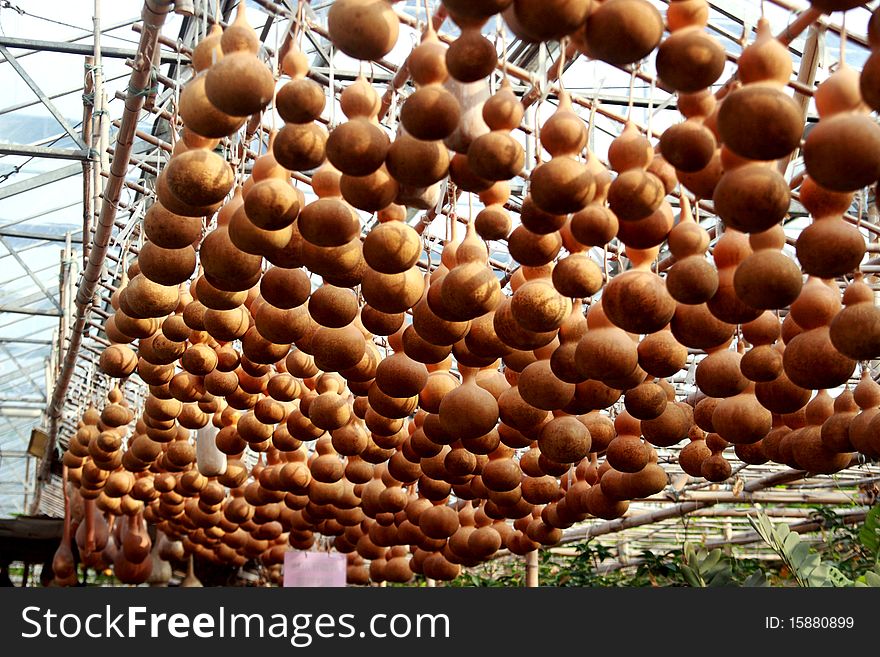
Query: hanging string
448	229
332	89
428	15
594	104
605	263
299	17
862	195
426	246
537	130
175	106
632	90
453	216
563	46
277	76
499	28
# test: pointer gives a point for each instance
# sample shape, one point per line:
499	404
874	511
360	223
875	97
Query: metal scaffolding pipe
153	17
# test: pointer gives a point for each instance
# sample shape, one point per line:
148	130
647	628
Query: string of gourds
491	419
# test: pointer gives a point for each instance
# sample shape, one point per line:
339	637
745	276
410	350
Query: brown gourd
497	155
637	300
431	112
563	184
810	359
854	330
840	153
621	32
767	278
363	29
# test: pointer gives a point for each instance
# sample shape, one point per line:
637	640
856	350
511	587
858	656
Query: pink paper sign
323	569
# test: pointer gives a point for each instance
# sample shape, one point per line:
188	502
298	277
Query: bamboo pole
153	16
87	165
674	511
815	15
806	76
531	559
743	538
764	497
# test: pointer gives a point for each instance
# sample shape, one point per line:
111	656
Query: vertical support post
65	291
27	482
101	127
623	555
806	76
728	536
88	165
531	559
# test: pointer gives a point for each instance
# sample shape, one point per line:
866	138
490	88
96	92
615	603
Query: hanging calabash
853	331
689	59
363	29
431	112
637	301
201	116
239	83
768	278
170	231
622	32
840	152
358	146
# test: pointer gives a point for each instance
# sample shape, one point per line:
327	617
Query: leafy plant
869	534
870	578
869	537
841	544
663	569
581	570
706	569
806	565
506	572
850	556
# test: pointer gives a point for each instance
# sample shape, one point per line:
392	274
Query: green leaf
757	578
817	577
721	578
780	529
691	577
809	566
711	559
792	540
872	579
799	554
837	578
869	534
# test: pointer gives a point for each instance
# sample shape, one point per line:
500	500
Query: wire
17	169
7	4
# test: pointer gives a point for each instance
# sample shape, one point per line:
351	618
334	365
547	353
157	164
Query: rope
147	91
